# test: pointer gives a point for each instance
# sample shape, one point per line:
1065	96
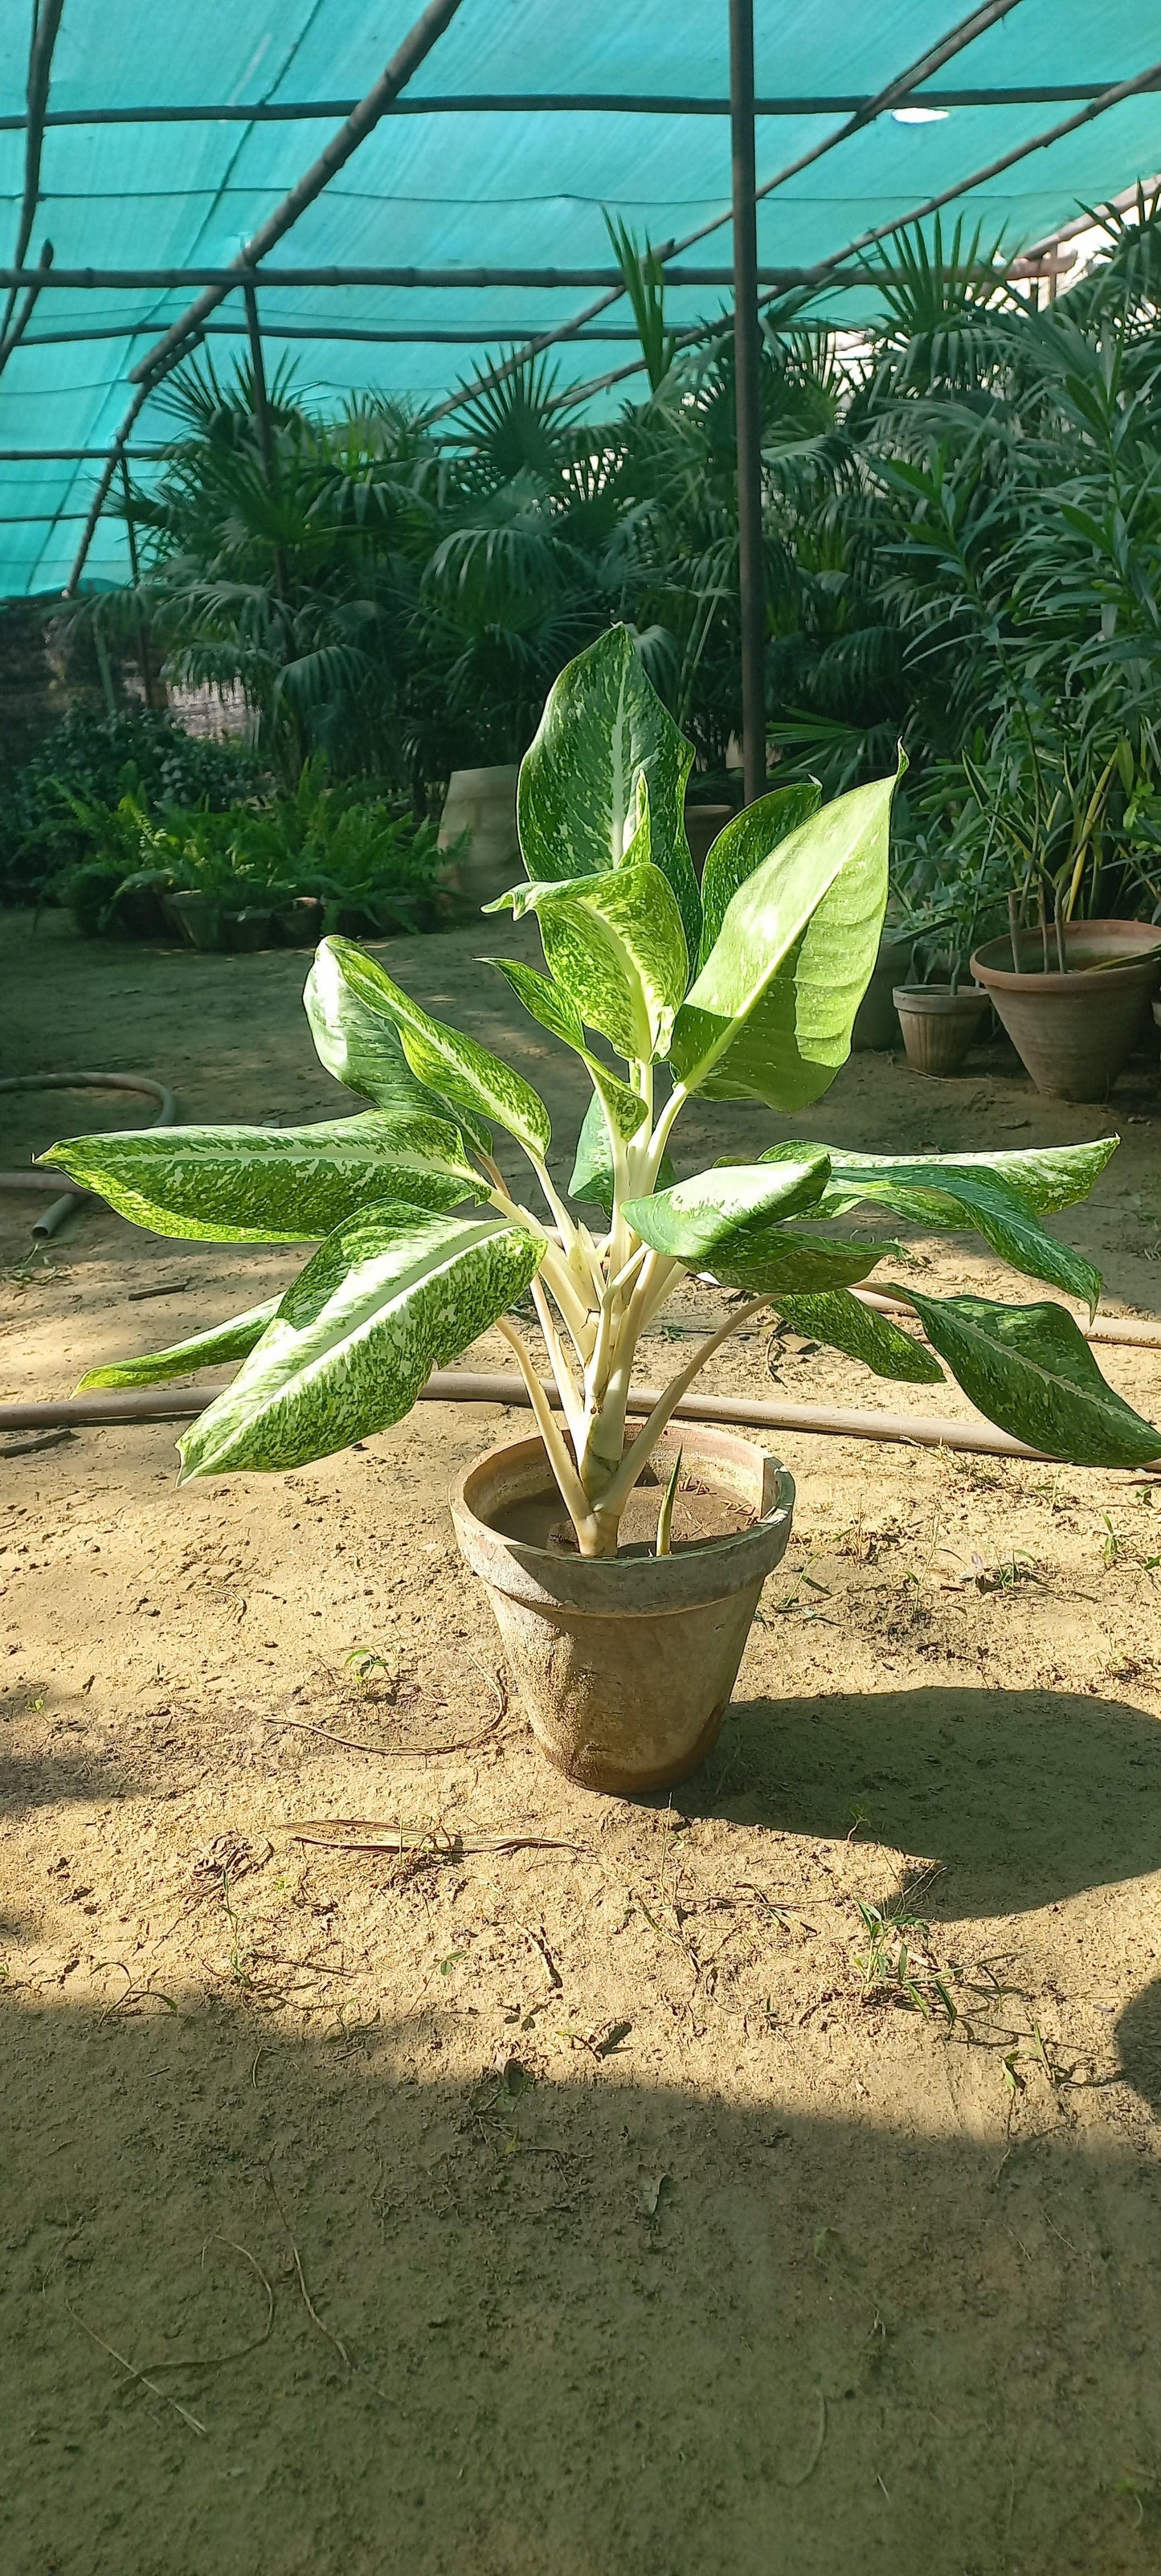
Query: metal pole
748	400
135	569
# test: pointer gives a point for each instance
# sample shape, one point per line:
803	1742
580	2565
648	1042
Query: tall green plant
402	1281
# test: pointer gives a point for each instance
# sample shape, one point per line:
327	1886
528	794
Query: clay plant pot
938	1025
248	931
1074	1032
702	825
625	1665
876	1020
299	923
482	803
196	917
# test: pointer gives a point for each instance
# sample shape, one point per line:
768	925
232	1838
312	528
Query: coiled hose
70	1194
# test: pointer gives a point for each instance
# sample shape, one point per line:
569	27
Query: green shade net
519	188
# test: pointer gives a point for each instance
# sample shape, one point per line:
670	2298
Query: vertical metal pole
135	569
747	396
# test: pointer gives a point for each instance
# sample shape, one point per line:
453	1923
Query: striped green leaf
548	1004
771	1013
1030	1369
212	1349
592	1171
838	1319
746	844
731	1218
616	947
470	1077
603	726
390	1295
1043	1176
360	1045
953	1195
269	1184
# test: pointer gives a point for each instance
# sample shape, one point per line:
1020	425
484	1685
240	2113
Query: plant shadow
1022	1797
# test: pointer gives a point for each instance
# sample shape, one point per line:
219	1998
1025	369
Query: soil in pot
939	1026
1075	1031
626	1665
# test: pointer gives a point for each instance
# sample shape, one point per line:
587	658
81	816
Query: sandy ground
618	2204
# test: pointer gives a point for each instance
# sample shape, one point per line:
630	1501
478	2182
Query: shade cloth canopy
521	186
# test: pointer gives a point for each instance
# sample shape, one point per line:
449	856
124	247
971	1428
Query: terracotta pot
1074	1032
626	1665
250	930
702	825
876	1020
482	803
300	921
938	1025
196	918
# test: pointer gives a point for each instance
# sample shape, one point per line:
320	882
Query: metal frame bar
46	20
543	103
432	280
748	398
964	33
413	51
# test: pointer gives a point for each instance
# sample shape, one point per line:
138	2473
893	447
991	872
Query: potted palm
624	1626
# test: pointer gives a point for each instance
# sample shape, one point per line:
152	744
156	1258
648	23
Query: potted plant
624	1627
1073	997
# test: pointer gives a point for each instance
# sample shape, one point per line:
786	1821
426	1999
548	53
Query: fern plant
745	990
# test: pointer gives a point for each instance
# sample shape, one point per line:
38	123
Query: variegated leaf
211	1349
603	725
550	1005
745	844
449	1063
389	1296
731	1217
1030	1369
360	1045
771	1013
952	1194
592	1171
616	947
839	1320
269	1184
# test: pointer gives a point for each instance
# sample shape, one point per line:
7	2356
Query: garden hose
70	1195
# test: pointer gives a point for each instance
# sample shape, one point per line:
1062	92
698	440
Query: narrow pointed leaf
616	947
269	1184
360	1045
1030	1369
746	844
592	1171
211	1349
449	1063
838	1319
552	1007
389	1296
1043	1176
954	1195
603	725
729	1215
771	1013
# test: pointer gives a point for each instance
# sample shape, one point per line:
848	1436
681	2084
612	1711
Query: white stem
554	1266
573	1494
616	1494
664	1130
570	1396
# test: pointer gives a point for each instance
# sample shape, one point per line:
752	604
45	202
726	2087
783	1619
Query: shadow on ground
1022	1797
570	2328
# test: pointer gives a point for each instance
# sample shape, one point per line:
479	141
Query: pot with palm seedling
1073	996
624	1577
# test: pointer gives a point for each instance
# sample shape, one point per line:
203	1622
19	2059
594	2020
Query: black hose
70	1194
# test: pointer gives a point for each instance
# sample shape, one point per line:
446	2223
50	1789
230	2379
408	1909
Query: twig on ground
218	2360
392	1752
140	2376
308	2302
816	2454
354	1833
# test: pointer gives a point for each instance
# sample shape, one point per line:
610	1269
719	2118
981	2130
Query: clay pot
1074	1032
248	931
299	923
702	825
482	803
938	1025
196	917
876	1021
626	1665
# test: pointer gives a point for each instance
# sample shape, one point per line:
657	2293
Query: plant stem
575	1499
613	1500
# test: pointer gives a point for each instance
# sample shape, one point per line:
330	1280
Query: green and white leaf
603	725
1030	1369
838	1319
771	1013
360	1045
1043	1176
616	947
731	1219
592	1171
476	1081
954	1195
745	844
269	1184
390	1295
551	1006
211	1349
